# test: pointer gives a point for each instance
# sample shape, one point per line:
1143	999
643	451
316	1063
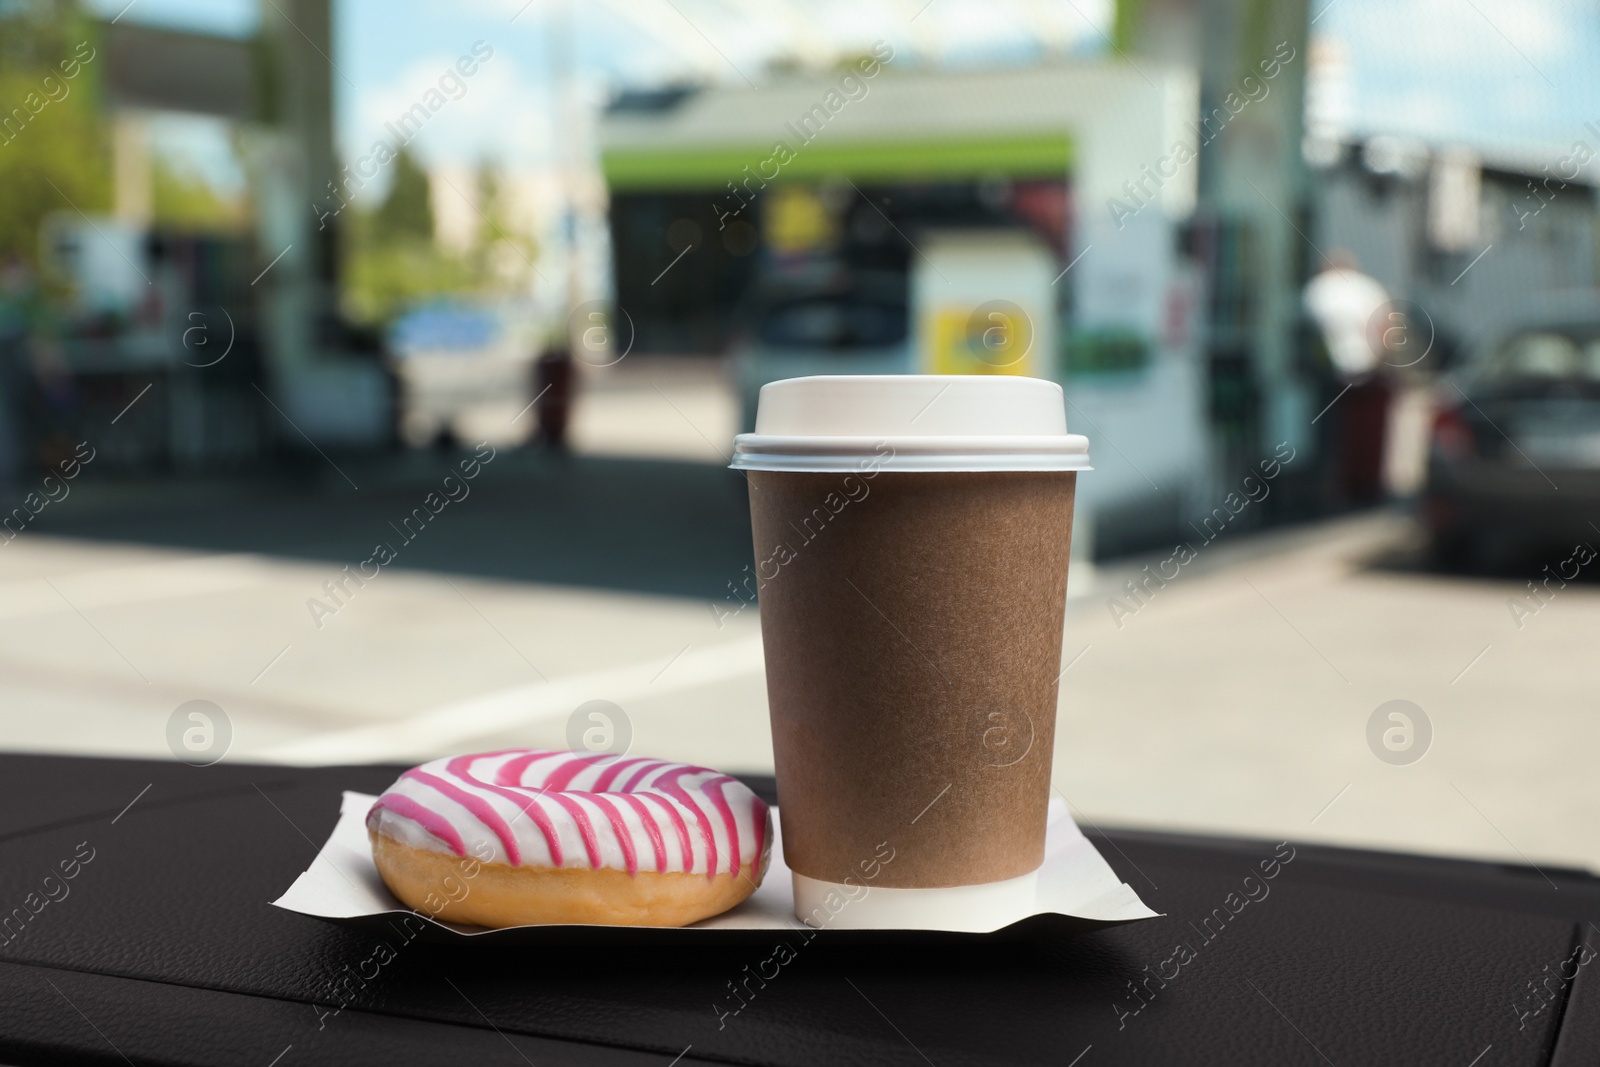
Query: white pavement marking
496	629
141	583
98	631
671	661
522	705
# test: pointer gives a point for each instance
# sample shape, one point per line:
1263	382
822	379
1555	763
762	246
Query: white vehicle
465	371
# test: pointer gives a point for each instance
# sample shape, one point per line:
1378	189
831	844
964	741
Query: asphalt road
1235	699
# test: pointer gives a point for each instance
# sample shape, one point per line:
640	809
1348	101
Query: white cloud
1426	110
964	27
500	115
1515	75
1527	99
1450	33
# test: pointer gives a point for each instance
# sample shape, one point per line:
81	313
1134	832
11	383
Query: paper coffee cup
912	534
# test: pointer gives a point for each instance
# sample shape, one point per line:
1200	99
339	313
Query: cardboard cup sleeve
912	623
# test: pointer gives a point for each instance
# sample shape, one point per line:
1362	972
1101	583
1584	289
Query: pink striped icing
431	821
564	809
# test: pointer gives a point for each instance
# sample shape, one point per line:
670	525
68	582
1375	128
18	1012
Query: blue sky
1522	75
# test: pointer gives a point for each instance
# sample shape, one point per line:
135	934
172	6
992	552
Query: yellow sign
993	338
796	220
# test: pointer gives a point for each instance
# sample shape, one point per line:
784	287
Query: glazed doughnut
525	837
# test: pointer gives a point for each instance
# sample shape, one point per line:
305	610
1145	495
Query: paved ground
679	408
1239	697
1236	700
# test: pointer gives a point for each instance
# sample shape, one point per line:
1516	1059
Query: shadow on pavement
669	528
1532	560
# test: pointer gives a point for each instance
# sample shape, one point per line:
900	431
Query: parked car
1514	458
843	325
465	371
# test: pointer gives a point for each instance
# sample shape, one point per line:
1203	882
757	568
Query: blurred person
1347	307
1342	302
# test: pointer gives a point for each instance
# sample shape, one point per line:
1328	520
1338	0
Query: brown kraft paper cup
913	624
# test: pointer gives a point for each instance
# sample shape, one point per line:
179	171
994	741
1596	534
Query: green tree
406	211
385	273
55	145
391	264
184	200
502	256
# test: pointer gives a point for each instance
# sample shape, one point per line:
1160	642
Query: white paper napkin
343	885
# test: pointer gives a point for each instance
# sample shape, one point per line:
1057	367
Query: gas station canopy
893	126
1039	155
171	70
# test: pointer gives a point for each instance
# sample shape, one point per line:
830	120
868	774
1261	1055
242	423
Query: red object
1043	204
1452	436
1363	426
552	398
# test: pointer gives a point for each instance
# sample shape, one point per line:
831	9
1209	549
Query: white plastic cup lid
911	422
